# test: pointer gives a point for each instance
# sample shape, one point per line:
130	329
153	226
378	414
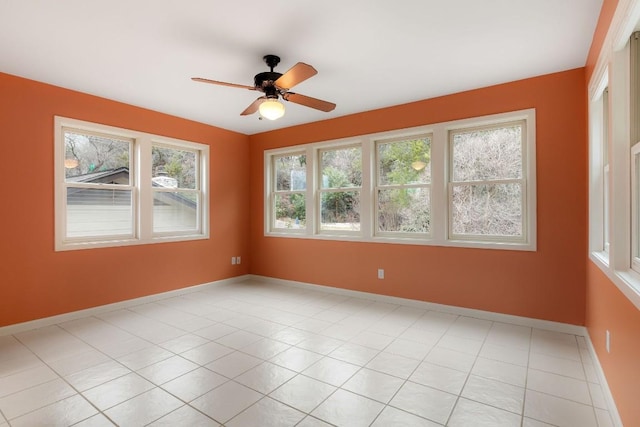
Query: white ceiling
369	53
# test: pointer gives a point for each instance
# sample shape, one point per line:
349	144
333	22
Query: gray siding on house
108	211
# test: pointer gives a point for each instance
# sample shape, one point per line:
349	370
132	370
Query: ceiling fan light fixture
271	109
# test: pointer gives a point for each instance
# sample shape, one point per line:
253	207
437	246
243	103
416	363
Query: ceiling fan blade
307	101
215	82
254	106
296	74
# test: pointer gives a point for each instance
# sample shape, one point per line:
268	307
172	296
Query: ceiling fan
275	85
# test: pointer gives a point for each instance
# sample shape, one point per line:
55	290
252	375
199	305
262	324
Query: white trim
478	314
619	163
141	145
317	186
598	155
623	23
79	314
273	192
377	187
627	281
625	19
461	311
604	385
408	240
635	171
438	235
613	66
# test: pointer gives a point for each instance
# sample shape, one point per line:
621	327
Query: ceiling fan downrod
271	60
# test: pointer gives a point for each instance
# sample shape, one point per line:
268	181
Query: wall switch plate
237	260
233	260
380	273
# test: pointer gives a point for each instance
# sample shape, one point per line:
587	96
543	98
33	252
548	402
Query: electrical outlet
238	260
233	260
380	273
608	341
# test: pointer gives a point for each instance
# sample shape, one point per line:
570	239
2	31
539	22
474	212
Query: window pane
96	159
98	212
404	210
487	209
606	198
175	211
635	239
290	211
174	168
487	154
341	168
291	172
340	210
404	162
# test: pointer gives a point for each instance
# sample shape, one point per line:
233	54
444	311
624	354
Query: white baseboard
74	315
470	312
479	314
611	404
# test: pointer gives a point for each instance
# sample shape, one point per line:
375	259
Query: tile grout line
251	301
78	392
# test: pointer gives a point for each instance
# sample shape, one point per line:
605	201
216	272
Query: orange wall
606	307
546	284
609	309
36	281
604	20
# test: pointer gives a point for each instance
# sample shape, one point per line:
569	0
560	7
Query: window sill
509	246
601	258
627	281
72	246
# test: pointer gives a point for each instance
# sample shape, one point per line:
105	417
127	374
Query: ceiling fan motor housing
266	79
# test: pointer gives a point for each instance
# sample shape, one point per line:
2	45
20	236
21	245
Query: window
614	167
403	192
289	192
600	182
118	187
466	183
340	184
634	131
606	202
97	185
487	186
176	194
635	207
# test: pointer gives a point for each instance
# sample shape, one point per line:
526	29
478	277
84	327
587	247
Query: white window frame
320	191
378	187
606	171
274	193
439	193
599	183
130	187
521	181
190	147
614	68
139	184
635	209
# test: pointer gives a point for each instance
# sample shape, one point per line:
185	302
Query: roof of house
111	175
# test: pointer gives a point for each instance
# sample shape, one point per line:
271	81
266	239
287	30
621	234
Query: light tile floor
258	354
